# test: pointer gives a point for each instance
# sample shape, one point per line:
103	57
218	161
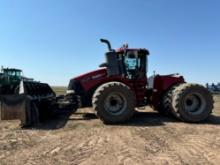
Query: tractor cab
9	80
12	73
9	75
134	62
129	63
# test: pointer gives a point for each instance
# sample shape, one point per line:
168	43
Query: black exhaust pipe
108	44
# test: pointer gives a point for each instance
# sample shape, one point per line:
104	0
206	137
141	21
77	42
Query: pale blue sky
55	40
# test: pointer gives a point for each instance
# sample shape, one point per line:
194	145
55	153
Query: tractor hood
92	75
87	81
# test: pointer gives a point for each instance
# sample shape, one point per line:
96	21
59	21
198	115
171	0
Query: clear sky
55	40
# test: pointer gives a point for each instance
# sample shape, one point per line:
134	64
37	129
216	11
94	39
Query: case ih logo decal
93	77
97	76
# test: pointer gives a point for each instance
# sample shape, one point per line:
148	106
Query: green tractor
10	79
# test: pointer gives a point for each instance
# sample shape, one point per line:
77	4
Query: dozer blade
33	103
12	107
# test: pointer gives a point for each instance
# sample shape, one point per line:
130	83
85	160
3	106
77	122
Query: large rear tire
165	104
191	102
114	102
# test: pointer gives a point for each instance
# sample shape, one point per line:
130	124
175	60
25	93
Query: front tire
114	102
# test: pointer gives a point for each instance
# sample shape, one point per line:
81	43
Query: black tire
191	102
165	104
114	102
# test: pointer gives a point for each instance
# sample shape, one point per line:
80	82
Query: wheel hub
194	103
115	103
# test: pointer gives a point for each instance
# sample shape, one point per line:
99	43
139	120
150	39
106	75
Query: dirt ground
81	138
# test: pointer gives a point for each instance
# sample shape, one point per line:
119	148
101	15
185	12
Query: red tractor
121	84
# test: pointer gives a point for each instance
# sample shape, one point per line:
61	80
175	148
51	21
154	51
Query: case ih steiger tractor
122	84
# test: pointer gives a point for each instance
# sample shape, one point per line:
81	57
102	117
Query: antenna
125	46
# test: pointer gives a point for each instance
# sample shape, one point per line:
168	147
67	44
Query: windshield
12	73
131	63
18	73
135	63
131	60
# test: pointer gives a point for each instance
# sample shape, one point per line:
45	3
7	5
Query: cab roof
12	69
122	50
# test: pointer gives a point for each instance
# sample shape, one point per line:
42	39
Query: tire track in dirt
194	142
180	144
151	140
196	148
157	146
84	150
129	148
127	154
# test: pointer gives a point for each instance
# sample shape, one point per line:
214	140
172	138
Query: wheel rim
115	103
194	103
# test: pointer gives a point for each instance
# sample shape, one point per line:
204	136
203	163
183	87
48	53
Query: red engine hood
93	74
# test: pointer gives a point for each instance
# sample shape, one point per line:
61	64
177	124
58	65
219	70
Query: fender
164	82
161	84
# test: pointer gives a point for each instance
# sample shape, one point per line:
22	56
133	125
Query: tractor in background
10	79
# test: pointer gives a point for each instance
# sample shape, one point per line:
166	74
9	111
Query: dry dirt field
81	138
